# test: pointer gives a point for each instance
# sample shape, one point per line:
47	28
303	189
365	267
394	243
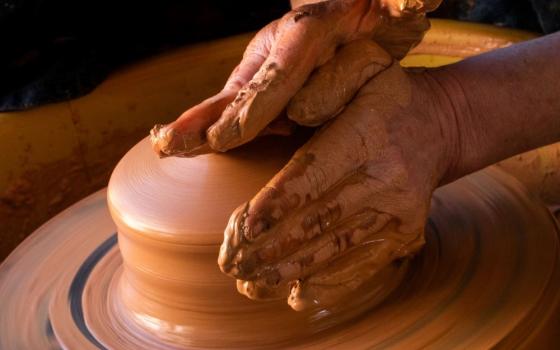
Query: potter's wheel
488	276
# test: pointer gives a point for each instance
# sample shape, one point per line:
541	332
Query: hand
282	57
351	200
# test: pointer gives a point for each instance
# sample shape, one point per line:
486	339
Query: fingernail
253	230
167	142
258	228
236	226
158	139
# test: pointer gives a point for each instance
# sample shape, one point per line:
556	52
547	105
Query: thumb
336	82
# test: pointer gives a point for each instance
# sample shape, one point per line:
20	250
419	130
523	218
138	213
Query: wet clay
170	216
539	171
488	275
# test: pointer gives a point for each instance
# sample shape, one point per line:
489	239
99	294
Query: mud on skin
282	58
350	202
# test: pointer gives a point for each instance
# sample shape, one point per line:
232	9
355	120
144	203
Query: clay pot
171	214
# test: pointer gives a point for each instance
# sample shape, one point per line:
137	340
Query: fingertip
255	291
160	139
233	240
168	142
301	298
186	136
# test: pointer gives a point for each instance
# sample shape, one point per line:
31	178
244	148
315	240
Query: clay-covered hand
282	57
352	200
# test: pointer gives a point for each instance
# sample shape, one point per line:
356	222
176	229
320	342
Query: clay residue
539	171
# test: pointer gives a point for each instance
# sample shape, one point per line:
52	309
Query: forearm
505	102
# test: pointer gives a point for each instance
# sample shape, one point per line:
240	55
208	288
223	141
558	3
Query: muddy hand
351	200
282	57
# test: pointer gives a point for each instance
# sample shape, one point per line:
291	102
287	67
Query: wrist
448	108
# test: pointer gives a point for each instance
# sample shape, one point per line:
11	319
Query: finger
313	170
334	84
257	291
311	257
360	230
345	204
305	39
400	35
406	27
365	270
186	136
332	154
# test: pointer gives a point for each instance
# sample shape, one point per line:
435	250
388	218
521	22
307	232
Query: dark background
53	50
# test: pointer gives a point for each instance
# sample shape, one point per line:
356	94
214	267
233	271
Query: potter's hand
351	201
281	58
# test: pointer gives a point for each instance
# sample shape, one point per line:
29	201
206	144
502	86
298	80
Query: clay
539	171
70	286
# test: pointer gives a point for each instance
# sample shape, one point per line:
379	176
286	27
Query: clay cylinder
171	214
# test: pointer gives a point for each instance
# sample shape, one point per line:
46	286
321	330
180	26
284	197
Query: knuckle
269	206
318	9
306	107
